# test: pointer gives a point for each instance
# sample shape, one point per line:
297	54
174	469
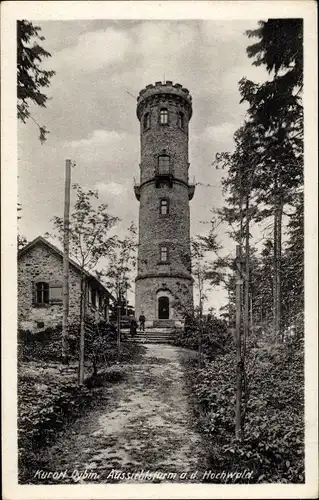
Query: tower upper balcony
171	91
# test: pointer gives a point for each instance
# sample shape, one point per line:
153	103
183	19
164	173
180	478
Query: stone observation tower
164	286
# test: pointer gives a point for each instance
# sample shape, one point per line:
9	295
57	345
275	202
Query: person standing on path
133	327
142	322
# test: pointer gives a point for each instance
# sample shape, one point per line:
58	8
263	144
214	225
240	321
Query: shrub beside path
143	423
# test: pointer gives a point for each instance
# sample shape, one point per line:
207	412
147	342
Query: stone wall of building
41	264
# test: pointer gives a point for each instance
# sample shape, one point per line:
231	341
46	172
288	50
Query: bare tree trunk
238	426
275	276
118	338
231	319
200	338
126	304
251	313
279	243
82	331
247	263
200	343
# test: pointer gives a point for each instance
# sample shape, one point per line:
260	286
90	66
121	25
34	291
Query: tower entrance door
163	308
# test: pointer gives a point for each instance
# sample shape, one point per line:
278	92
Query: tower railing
137	189
191	189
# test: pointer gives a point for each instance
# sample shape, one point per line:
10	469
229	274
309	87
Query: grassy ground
140	423
49	399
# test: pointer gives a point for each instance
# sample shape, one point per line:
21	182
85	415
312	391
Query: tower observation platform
164	285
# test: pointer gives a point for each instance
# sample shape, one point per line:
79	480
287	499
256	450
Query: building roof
56	250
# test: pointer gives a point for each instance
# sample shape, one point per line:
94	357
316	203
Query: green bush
273	411
216	337
100	344
45	345
44	405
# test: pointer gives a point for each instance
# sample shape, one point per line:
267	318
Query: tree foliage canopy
122	261
31	78
88	229
279	47
263	181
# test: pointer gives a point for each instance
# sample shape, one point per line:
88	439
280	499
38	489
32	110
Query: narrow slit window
181	122
163	164
146	121
164	116
164	253
164	207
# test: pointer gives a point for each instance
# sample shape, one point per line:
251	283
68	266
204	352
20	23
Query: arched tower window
146	121
163	253
42	293
164	116
163	164
164	206
181	120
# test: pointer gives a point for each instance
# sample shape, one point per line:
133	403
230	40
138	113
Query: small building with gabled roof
40	288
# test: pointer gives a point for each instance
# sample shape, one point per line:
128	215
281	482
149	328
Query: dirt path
142	424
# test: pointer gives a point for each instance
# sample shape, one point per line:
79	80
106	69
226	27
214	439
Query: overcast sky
92	119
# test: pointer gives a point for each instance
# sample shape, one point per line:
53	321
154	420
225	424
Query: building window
93	298
101	301
164	116
164	207
42	293
164	253
146	121
163	164
56	294
181	122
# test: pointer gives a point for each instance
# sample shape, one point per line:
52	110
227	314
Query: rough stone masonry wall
179	291
41	264
155	229
172	230
170	137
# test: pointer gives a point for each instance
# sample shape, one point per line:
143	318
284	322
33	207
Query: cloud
93	51
219	134
96	138
111	188
226	30
107	150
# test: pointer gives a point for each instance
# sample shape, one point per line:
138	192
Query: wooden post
66	251
251	313
246	289
118	329
200	343
82	328
239	282
118	338
126	286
